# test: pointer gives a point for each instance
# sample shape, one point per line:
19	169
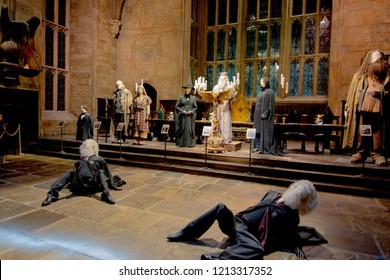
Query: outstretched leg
57	186
103	182
200	225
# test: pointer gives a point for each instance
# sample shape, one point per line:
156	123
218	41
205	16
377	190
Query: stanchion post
205	154
20	141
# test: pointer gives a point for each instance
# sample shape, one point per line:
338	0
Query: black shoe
179	236
49	199
205	257
107	198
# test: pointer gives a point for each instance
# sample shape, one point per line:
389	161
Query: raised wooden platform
332	173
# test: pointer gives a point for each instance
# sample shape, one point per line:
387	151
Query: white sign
206	131
251	133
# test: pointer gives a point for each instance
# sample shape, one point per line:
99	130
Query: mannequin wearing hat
123	101
365	106
224	110
185	116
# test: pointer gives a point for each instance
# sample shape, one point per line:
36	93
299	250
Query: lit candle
286	87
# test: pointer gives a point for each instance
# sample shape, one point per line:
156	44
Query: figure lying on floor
91	175
270	225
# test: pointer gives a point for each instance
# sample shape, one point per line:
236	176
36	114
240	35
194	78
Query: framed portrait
206	131
61	123
97	125
120	126
251	133
165	129
365	130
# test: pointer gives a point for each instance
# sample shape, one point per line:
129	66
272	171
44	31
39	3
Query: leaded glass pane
61	49
263	9
49	10
231	71
248	85
61	92
251	10
262	40
274	76
211	12
308	76
49	95
296	31
250	41
221	12
233	11
62	12
49	46
261	72
294	78
209	76
326	6
221	44
275	39
324	42
310	36
297	7
210	45
323	77
276	8
311	6
232	44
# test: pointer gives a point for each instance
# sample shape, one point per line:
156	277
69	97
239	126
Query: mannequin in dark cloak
265	142
270	225
84	125
185	116
90	175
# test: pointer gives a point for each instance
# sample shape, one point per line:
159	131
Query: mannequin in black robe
265	142
84	125
270	225
90	175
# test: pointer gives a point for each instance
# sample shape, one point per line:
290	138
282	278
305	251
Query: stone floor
153	204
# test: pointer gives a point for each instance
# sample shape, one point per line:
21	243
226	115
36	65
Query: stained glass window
221	44
273	77
324	41
262	40
232	45
261	72
210	45
249	79
308	71
310	36
296	32
275	39
323	77
250	41
294	78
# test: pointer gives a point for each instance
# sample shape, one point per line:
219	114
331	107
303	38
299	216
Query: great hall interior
74	51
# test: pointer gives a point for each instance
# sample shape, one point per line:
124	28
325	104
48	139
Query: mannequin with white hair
270	225
123	102
90	175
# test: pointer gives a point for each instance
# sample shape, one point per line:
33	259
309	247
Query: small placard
251	133
206	131
61	123
120	126
165	129
365	130
97	124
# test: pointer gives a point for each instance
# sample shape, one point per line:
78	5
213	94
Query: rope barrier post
20	140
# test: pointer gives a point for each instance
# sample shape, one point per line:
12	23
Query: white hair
300	195
89	148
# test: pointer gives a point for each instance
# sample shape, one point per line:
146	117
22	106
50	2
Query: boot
52	196
180	236
107	198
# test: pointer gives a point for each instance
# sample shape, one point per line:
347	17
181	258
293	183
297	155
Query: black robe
185	123
259	230
84	127
263	122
